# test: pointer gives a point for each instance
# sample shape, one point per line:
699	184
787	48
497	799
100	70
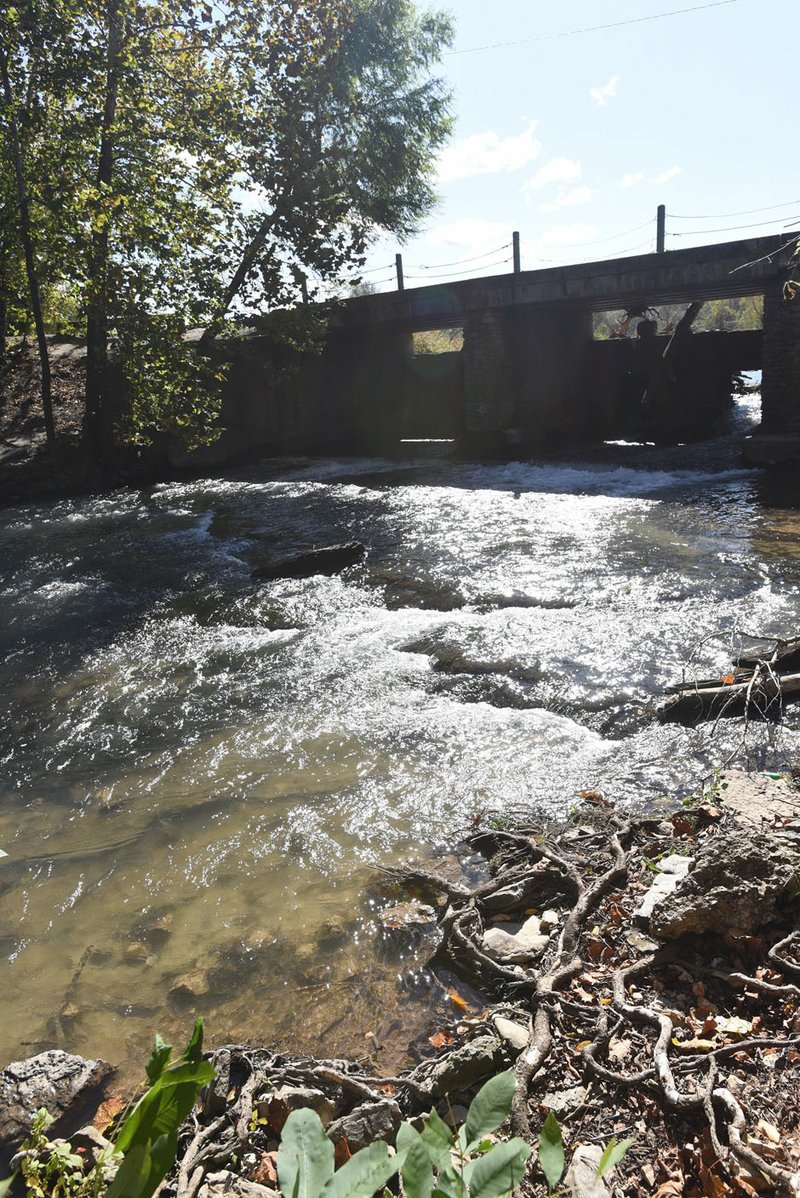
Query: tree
168	139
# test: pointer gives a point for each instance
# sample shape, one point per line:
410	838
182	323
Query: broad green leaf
488	1109
612	1155
5	1186
194	1049
449	1184
132	1175
305	1156
438	1138
363	1174
417	1167
159	1059
165	1105
551	1151
499	1171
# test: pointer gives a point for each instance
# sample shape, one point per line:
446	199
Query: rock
280	1103
465	1066
515	939
407	923
672	869
757	800
564	1102
91	1139
135	954
511	1032
157	932
549	921
330	560
738	878
69	1086
580	1179
189	987
368	1122
231	1185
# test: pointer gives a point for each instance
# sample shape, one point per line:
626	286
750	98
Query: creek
200	772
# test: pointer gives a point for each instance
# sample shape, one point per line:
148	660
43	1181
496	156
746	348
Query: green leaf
613	1153
5	1186
551	1151
417	1167
499	1171
488	1109
165	1105
439	1139
132	1176
363	1174
449	1184
305	1157
159	1059
194	1049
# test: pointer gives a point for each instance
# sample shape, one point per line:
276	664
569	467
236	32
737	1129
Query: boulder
280	1103
738	878
465	1066
516	939
231	1185
366	1123
70	1087
671	870
580	1179
330	560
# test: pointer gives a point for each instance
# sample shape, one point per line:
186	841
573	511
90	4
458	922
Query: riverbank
640	976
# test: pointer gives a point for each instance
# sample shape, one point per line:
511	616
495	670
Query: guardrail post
661	222
398	262
517	259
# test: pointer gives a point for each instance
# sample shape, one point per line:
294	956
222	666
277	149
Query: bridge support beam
780	387
369	375
553	399
490	379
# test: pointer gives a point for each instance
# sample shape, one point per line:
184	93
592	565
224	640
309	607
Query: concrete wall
780	389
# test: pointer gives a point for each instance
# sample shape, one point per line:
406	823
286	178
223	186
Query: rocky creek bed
640	976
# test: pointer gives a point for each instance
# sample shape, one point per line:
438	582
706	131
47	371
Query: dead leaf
733	1025
107	1112
682	825
618	1050
670	1189
596	798
266	1171
695	1045
341	1152
439	1039
769	1130
458	1001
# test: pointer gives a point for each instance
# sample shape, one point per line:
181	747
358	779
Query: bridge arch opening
433	401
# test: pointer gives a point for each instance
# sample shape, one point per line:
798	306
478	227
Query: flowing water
200	772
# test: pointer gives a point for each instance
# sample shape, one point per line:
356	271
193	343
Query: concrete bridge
530	372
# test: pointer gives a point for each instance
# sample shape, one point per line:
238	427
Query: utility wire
460	261
725	215
549	37
759	224
578	245
452	274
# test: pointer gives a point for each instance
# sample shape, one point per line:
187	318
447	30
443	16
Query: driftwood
329	560
757	685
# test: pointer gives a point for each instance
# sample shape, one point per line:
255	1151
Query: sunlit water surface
200	772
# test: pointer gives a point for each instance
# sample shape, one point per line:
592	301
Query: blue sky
575	140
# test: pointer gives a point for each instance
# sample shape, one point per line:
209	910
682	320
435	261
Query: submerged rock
329	560
69	1086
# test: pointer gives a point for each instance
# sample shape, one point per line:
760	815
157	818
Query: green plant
146	1143
551	1154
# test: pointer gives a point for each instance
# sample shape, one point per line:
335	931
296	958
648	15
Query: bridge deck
707	272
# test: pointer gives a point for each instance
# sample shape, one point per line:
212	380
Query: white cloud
470	232
636	178
601	95
566	198
557	170
487	154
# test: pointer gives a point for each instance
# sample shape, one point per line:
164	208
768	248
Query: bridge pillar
780	385
554	401
490	378
368	373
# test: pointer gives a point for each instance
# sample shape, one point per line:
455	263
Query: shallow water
200	772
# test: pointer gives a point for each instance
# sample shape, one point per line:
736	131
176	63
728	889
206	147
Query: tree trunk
235	285
26	234
96	426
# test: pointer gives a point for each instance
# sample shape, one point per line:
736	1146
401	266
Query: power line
759	224
725	215
549	37
452	274
461	261
579	245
